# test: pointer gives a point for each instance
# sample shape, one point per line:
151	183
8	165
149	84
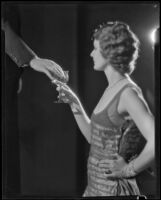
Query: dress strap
116	97
130	85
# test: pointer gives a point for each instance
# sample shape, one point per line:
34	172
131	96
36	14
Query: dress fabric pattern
105	140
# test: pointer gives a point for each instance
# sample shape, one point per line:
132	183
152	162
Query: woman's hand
113	168
66	94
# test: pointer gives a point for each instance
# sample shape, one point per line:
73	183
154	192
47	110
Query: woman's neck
113	76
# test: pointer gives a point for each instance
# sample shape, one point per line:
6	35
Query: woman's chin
96	68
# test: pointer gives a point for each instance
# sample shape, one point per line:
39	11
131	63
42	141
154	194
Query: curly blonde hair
119	45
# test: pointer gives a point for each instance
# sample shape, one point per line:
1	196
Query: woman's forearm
83	121
146	158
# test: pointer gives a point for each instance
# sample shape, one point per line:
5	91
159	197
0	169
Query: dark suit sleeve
16	48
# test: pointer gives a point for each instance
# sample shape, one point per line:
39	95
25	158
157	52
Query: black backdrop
53	152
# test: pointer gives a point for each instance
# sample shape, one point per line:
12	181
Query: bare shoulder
132	92
132	99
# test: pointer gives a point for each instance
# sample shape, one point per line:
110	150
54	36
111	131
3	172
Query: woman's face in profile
99	61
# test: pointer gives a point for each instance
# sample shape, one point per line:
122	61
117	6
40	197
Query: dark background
53	152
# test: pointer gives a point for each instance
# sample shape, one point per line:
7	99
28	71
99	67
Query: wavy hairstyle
119	45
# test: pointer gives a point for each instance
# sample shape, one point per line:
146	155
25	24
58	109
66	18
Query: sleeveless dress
105	140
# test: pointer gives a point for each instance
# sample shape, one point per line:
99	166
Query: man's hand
50	68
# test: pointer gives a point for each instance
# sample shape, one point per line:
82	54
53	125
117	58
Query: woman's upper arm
136	106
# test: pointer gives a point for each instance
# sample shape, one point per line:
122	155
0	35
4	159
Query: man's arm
23	56
15	47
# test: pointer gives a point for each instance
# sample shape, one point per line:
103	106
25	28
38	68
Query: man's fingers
48	74
54	67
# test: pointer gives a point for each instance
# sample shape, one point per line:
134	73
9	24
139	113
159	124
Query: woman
109	174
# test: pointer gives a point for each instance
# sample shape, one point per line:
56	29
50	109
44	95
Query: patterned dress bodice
105	140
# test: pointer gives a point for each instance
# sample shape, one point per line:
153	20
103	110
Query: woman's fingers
110	165
106	163
105	170
61	84
58	88
112	168
106	166
111	175
62	89
65	93
61	94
